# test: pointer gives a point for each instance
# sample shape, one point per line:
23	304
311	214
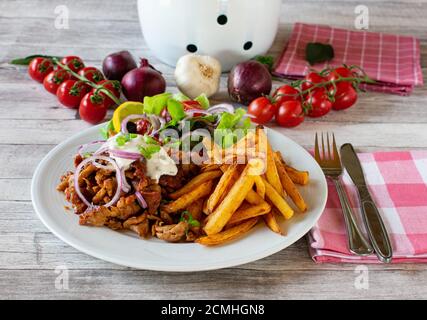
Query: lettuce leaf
155	104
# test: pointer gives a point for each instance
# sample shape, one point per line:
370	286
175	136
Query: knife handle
357	243
375	226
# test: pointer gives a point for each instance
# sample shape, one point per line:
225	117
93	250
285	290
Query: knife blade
374	224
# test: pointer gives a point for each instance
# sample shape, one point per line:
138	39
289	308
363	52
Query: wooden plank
127	284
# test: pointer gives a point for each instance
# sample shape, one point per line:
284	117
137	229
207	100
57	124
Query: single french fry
231	202
195	209
260	186
278	201
253	198
247	211
196	181
229	234
271	222
271	170
241	149
210	167
205	207
213	151
298	177
289	186
182	202
223	185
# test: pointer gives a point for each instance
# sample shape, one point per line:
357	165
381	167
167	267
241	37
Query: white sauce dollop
159	164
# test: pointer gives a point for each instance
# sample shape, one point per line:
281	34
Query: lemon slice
126	109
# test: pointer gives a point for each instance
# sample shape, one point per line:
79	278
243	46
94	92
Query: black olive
131	127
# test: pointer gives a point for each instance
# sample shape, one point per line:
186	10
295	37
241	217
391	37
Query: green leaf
149	150
267	60
230	120
176	109
105	130
246	124
150	140
316	52
122	139
187	217
26	61
180	97
203	101
155	104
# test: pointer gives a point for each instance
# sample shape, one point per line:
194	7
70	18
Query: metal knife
374	224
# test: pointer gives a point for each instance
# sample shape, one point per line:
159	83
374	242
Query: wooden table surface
32	123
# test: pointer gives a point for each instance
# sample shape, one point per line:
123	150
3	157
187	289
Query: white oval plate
127	249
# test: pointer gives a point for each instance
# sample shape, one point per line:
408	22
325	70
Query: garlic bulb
196	74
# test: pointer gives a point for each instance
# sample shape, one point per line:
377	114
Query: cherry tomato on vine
345	96
289	114
92	108
286	93
317	103
52	81
111	85
312	79
340	72
262	110
73	62
71	92
92	74
39	68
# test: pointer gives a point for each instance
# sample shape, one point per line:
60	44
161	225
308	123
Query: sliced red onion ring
160	123
125	185
84	146
101	150
155	122
222	107
141	200
123	125
118	177
125	154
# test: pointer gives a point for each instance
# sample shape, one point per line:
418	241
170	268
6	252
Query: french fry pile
230	197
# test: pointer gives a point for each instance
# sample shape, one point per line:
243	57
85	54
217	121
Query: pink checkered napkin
398	184
392	60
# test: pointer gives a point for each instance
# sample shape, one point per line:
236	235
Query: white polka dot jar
230	30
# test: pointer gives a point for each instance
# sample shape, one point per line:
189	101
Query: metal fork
332	168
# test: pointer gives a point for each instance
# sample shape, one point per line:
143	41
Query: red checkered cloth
392	60
398	184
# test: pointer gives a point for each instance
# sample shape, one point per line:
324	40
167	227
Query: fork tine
334	146
329	146
316	149
323	148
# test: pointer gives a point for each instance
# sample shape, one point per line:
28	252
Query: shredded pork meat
99	186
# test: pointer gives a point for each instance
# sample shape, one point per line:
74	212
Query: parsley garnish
122	139
150	140
149	150
187	217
